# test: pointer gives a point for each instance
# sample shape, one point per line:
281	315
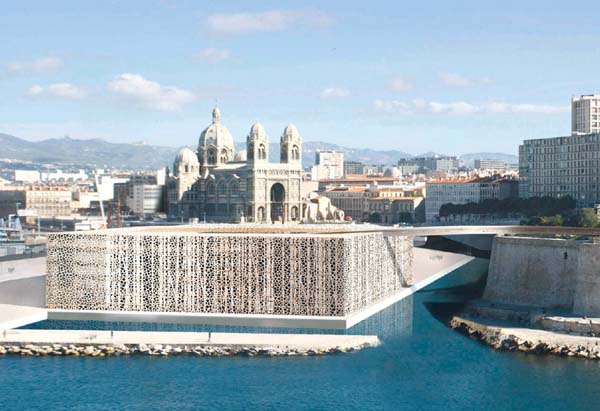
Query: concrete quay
107	343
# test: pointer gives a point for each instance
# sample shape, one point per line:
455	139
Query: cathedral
217	184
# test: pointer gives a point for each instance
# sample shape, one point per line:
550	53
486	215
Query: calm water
422	365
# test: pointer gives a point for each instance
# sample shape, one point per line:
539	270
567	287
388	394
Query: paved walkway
22	268
14	316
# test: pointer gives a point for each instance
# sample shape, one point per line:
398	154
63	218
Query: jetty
105	343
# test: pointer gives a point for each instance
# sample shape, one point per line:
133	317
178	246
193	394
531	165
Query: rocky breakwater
164	350
528	340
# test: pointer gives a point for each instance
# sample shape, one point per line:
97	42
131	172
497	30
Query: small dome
290	133
186	156
392	172
258	131
241	156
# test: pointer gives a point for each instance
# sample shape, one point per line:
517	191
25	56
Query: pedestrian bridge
489	230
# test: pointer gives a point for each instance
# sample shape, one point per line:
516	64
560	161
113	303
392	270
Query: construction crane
100	198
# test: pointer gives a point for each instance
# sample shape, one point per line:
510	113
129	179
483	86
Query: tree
375	218
588	218
405	217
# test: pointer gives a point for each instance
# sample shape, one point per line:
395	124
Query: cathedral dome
216	134
241	156
186	156
290	133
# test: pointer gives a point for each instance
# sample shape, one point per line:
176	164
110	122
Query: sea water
421	365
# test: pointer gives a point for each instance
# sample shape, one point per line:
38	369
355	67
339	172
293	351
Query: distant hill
96	152
364	155
101	153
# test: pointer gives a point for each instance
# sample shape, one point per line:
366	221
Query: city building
320	270
328	164
490	163
61	176
561	166
140	194
219	185
27	176
387	210
585	113
353	167
105	186
408	166
385	204
425	164
464	191
357	180
145	199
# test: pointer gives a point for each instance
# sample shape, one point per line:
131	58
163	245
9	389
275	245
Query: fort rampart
546	273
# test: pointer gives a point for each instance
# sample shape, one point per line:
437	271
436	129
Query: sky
451	77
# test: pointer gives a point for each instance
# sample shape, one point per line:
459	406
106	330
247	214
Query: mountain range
101	153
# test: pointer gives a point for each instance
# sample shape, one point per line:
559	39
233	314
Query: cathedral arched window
234	187
187	168
295	153
224	156
212	157
222	189
262	152
211	189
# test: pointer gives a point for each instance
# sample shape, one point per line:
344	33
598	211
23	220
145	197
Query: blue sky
452	77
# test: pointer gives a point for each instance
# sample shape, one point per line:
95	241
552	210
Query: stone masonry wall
532	271
587	287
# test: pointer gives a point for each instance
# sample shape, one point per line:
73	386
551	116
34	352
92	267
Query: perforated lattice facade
181	270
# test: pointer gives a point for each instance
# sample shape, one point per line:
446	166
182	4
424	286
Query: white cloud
148	94
36	66
62	90
333	92
457	80
462	108
214	55
399	84
273	20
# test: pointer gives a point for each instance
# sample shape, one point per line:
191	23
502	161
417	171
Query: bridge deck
488	229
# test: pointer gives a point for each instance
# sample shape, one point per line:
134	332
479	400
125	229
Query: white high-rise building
585	114
328	165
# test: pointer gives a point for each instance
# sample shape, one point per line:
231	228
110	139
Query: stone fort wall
239	273
549	273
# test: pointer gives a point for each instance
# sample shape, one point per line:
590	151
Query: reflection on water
393	322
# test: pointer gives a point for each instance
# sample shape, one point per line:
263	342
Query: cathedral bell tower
257	144
291	145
